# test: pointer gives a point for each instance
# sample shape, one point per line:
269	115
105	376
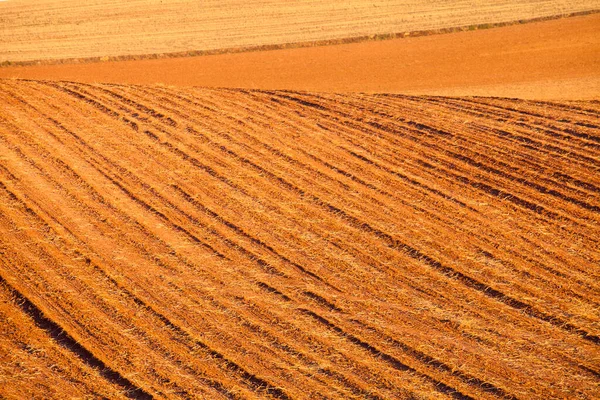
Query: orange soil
227	243
553	59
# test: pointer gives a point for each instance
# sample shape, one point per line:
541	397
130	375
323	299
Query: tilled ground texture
221	243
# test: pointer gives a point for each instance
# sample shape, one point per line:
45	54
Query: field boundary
295	45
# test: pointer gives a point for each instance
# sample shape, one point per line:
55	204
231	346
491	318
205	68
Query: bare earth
57	29
225	243
557	59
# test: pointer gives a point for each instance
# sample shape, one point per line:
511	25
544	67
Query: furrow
62	337
394	362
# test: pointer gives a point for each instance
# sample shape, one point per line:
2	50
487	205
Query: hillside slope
215	243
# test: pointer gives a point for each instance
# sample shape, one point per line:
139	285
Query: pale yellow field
60	29
552	60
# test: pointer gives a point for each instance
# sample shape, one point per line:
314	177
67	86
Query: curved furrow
64	339
339	159
249	243
589	140
254	381
473	145
440	134
177	151
422	164
543	129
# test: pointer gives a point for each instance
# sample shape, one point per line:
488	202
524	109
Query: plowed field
66	29
221	243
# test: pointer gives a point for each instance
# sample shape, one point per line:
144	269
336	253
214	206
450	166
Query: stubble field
549	60
228	243
51	30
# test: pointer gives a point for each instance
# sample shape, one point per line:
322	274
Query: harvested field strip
51	31
244	244
556	59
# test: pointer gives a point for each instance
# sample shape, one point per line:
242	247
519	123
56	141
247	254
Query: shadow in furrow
63	338
466	280
256	383
393	361
426	359
241	232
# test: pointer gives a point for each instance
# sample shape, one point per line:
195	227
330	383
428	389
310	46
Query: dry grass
44	30
252	244
544	60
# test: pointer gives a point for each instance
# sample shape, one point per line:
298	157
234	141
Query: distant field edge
293	45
